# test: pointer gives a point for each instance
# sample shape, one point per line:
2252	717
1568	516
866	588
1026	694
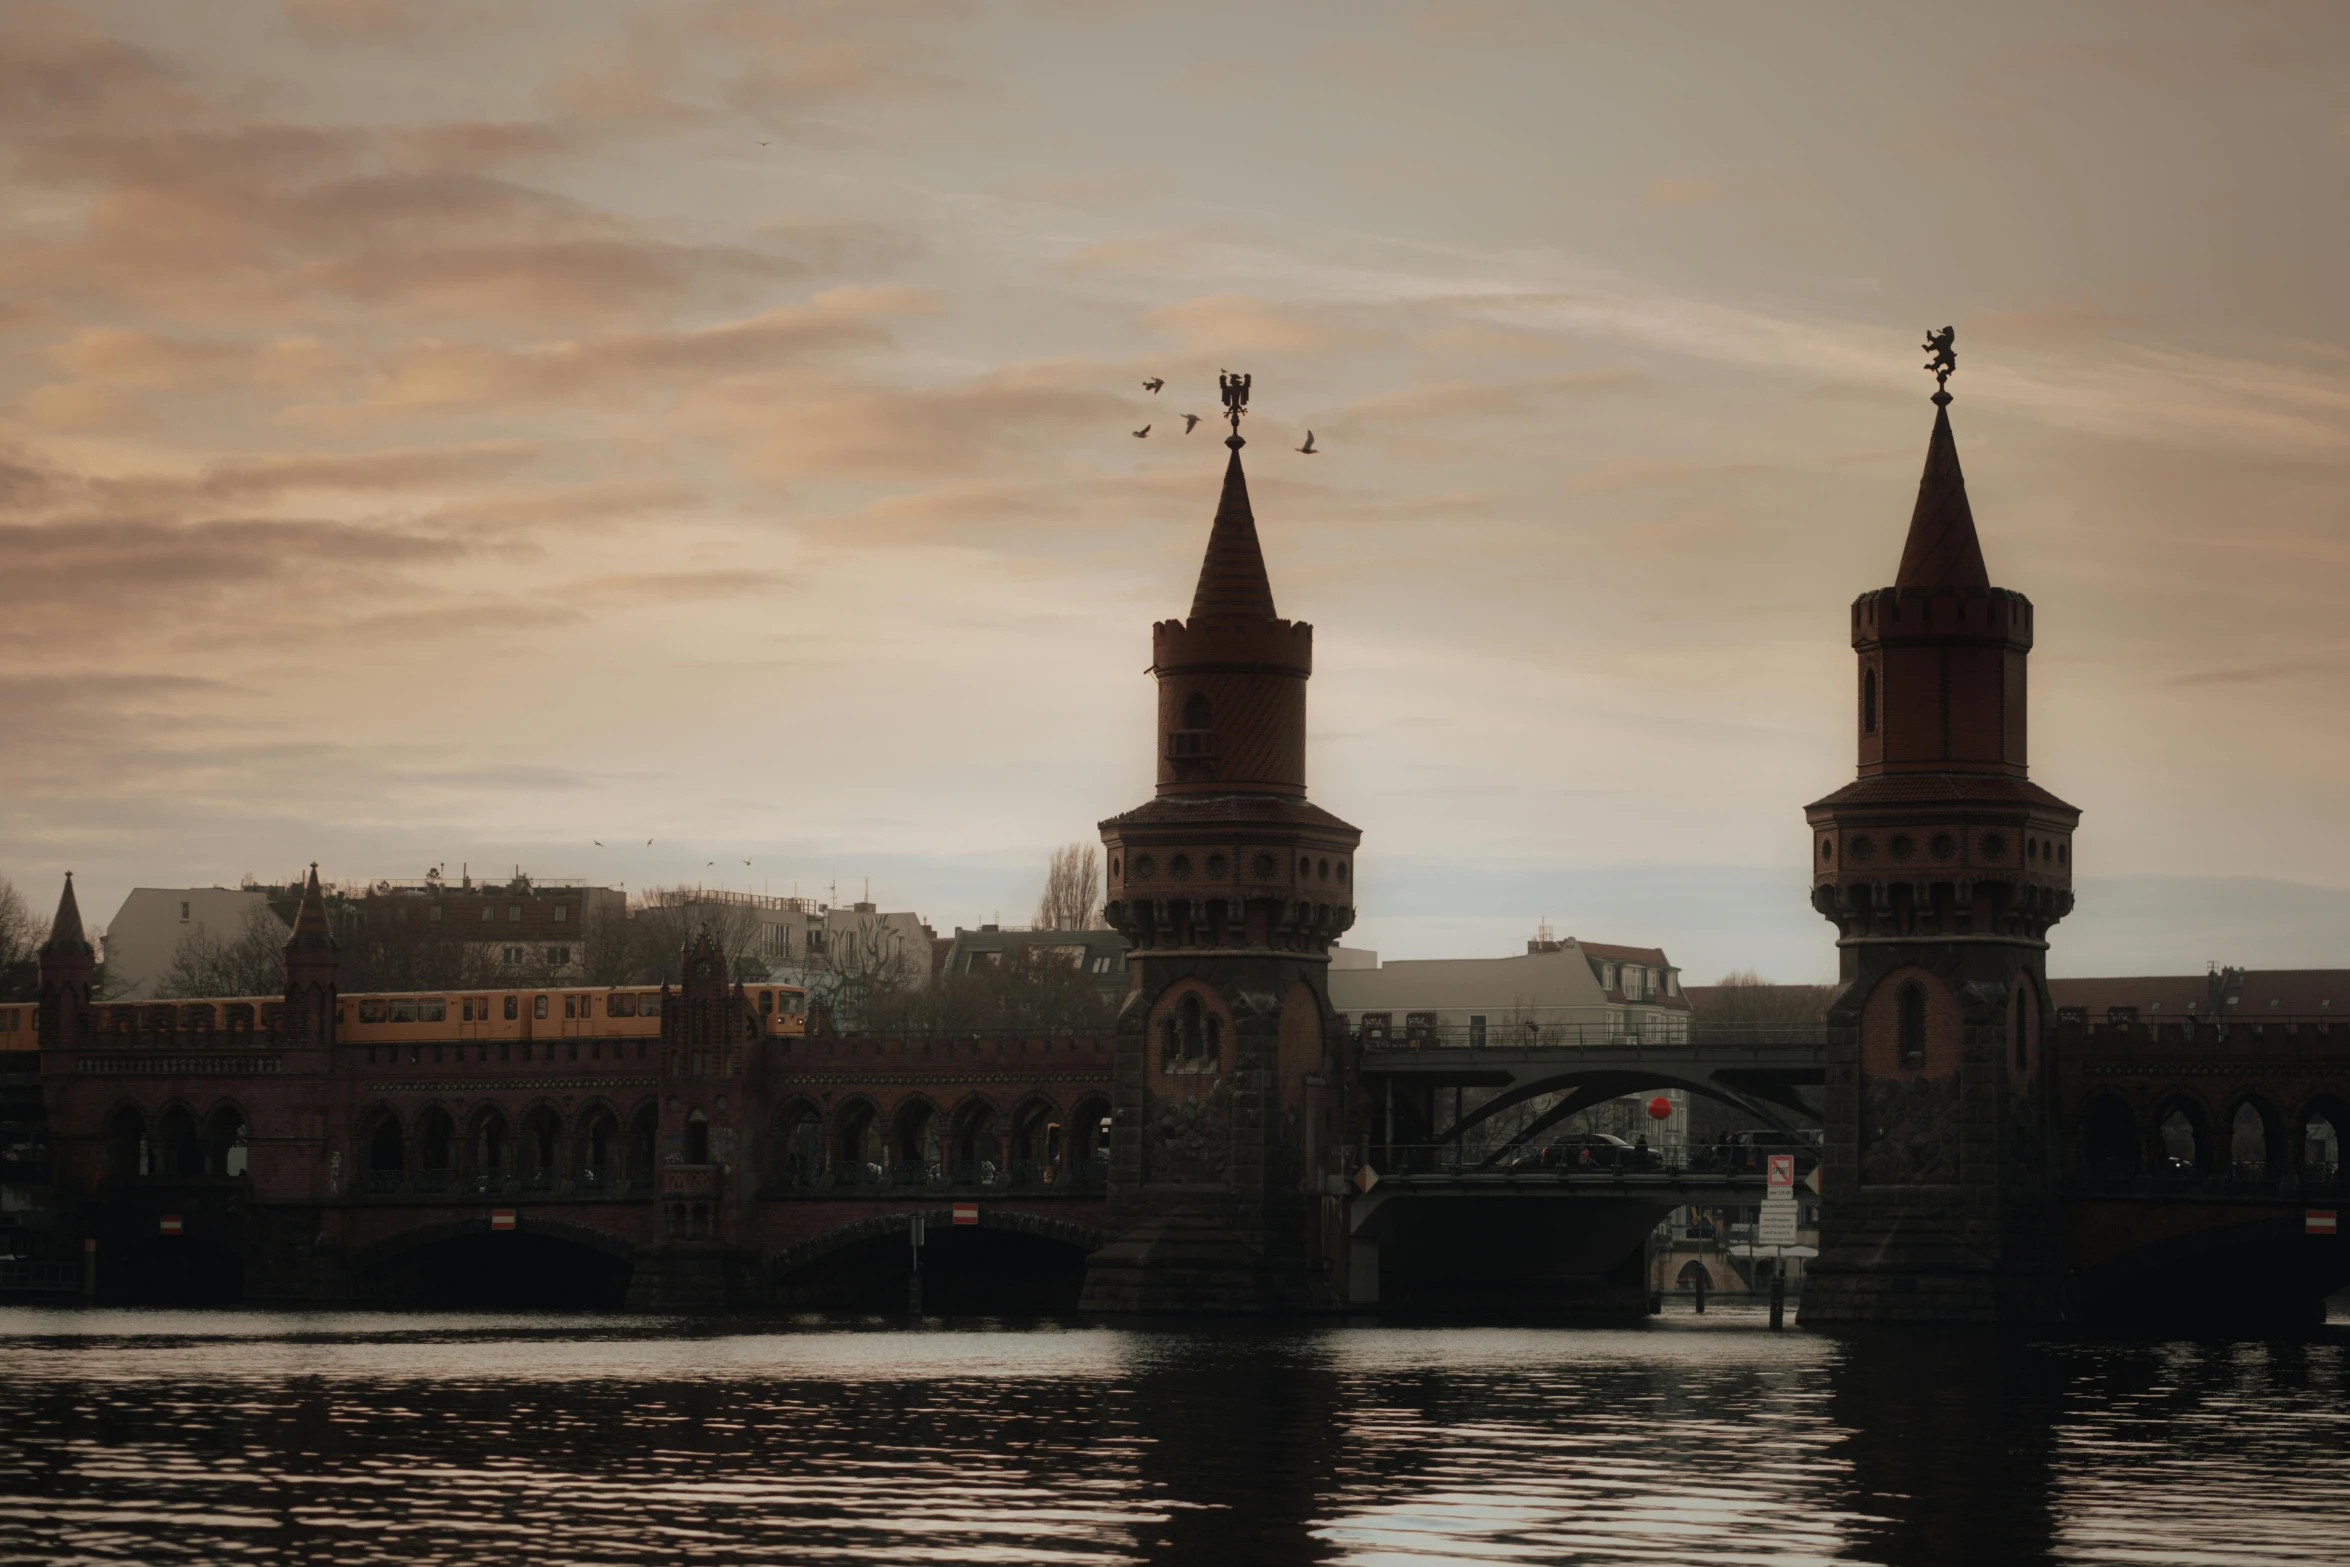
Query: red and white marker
2317	1221
1782	1167
170	1224
966	1213
501	1218
1365	1178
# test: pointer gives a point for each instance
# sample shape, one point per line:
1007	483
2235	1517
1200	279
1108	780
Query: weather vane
1944	361
1235	390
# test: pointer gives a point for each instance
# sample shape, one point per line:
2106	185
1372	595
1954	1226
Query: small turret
67	965
313	968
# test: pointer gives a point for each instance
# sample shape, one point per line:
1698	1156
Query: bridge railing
2242	1178
1676	1033
1568	1159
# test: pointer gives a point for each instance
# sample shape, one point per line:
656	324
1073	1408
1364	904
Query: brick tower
1227	1147
67	964
1942	866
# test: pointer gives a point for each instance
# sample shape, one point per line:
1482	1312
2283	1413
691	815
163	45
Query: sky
434	433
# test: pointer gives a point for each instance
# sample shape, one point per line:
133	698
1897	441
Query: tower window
1910	1005
1195	711
1868	701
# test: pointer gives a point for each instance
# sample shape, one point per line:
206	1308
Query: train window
373	1011
513	1008
538	1007
403	1011
571	1006
620	1006
467	1010
432	1009
766	1003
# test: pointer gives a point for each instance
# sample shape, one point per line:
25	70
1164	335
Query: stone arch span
1593	1085
542	1261
800	1253
1010	1264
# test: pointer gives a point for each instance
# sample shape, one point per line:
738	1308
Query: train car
619	1013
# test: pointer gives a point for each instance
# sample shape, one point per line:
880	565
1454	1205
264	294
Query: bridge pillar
1943	868
1233	1083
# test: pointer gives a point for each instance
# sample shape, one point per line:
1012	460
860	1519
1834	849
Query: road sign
170	1224
2318	1221
1366	1178
1778	1224
1782	1167
501	1218
966	1213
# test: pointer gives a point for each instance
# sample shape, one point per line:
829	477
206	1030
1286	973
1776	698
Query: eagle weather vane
1235	390
1944	361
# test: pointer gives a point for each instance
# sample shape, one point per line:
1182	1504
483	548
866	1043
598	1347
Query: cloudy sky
447	433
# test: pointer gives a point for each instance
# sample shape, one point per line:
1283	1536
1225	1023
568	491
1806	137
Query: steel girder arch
1598	1086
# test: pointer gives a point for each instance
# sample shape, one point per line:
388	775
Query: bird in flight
648	842
1153	384
599	843
1144	431
1308	448
1188	421
746	862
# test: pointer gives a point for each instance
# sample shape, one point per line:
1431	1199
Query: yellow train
405	1017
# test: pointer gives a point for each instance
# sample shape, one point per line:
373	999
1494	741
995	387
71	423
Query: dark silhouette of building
1942	866
1232	1070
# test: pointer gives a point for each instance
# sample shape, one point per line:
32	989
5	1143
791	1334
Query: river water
185	1436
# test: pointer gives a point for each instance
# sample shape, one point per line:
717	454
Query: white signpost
1776	1228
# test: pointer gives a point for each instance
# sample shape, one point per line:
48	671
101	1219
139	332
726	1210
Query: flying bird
1188	421
648	842
746	862
1145	430
598	842
1153	384
1308	448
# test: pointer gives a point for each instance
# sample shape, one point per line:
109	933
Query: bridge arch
1585	1086
544	1261
2183	1146
2324	1124
2255	1133
858	1139
228	1133
2110	1141
125	1135
975	1137
175	1146
1009	1263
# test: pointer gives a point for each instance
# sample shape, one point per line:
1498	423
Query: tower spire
310	927
65	932
1942	550
1232	579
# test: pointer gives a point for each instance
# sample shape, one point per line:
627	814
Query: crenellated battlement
1942	613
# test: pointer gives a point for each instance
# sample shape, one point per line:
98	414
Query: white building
152	921
1558	992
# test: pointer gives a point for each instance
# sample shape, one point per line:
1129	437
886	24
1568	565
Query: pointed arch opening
1909	1005
1868	700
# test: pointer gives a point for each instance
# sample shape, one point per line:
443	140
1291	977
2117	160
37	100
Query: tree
657	933
20	945
1746	999
868	976
1072	890
249	963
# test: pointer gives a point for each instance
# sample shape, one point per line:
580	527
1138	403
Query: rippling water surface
353	1438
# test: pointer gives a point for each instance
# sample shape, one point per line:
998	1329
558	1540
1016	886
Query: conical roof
1232	578
65	932
1942	551
310	927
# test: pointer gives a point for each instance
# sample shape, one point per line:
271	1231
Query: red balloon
1660	1108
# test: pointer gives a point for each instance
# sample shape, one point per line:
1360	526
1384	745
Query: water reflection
356	1438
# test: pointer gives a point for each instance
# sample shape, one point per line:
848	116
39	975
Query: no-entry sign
2318	1221
501	1218
1782	1168
170	1224
966	1213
